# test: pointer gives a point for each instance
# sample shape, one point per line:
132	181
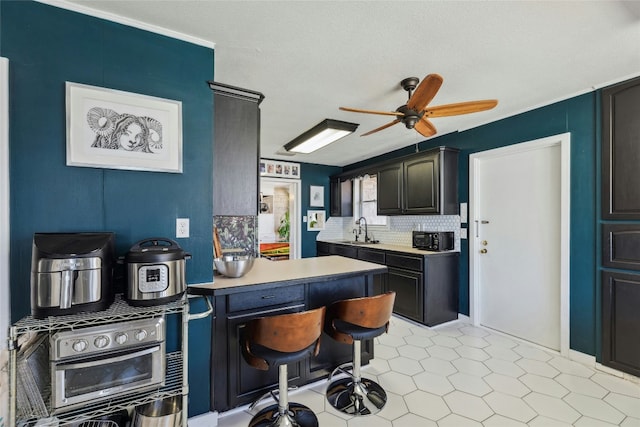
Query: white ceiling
310	57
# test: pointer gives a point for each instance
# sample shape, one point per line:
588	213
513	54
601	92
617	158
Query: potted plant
283	229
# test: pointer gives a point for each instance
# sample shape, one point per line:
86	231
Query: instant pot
155	272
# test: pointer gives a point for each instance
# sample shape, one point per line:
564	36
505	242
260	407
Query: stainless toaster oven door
79	381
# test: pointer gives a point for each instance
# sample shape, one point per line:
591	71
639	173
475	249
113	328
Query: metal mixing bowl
159	413
234	265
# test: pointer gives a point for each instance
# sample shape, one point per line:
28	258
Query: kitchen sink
356	242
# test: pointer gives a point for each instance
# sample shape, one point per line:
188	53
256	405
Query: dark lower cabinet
426	285
621	321
235	383
248	382
408	286
333	353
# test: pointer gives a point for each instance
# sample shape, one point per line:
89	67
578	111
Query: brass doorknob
483	251
485	243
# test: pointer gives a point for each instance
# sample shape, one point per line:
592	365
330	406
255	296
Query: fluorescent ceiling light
324	133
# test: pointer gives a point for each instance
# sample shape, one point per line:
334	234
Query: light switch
463	213
463	233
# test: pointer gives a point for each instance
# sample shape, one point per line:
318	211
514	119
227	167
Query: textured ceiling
310	57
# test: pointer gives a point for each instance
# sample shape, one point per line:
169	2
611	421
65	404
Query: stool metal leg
355	395
283	413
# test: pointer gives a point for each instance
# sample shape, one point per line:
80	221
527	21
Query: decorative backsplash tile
399	230
238	233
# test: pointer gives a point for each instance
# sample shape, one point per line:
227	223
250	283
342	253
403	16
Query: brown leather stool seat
351	321
275	341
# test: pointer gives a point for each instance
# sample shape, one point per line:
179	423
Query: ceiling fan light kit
322	134
415	113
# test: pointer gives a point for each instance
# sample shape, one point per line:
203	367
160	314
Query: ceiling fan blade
425	127
460	108
384	113
381	127
425	92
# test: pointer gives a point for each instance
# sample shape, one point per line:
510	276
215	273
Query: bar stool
351	321
276	341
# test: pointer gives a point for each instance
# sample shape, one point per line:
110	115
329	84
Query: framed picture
315	220
279	169
316	196
112	129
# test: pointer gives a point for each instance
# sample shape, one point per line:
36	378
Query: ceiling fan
415	113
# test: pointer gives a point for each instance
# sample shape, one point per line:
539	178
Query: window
365	203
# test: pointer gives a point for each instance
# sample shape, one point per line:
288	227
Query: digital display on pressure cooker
153	278
153	275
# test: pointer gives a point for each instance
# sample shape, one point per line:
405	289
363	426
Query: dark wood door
422	185
390	189
247	383
408	286
621	321
621	151
333	353
341	197
236	151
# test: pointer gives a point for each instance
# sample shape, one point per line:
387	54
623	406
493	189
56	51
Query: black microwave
433	240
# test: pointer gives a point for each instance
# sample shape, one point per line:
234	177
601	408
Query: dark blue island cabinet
272	288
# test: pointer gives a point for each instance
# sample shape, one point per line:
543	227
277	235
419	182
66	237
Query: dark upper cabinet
236	150
341	197
420	184
390	186
621	151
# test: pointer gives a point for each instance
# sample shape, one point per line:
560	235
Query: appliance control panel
69	343
153	278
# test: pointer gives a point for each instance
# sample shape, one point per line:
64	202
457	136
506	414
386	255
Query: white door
520	221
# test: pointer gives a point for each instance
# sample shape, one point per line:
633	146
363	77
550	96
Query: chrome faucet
366	234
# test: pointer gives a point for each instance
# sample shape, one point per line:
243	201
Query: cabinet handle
268	296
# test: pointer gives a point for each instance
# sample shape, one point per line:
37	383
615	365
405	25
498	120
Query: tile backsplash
399	230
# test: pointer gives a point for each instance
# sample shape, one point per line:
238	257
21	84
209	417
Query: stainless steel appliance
71	273
155	272
434	240
96	363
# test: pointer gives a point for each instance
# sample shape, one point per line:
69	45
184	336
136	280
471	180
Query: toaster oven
436	241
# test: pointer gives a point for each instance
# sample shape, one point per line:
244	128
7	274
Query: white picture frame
316	196
279	169
112	129
316	220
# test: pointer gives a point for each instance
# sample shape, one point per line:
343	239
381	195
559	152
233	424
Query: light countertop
386	247
265	271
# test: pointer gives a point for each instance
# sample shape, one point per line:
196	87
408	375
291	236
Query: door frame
295	212
564	141
5	302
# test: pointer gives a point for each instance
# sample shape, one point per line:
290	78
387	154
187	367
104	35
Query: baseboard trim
209	419
589	360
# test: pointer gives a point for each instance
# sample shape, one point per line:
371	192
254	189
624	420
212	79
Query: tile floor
457	375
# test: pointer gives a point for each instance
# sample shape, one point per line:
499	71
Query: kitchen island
271	288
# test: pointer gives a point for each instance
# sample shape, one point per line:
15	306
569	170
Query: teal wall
47	46
579	116
313	174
